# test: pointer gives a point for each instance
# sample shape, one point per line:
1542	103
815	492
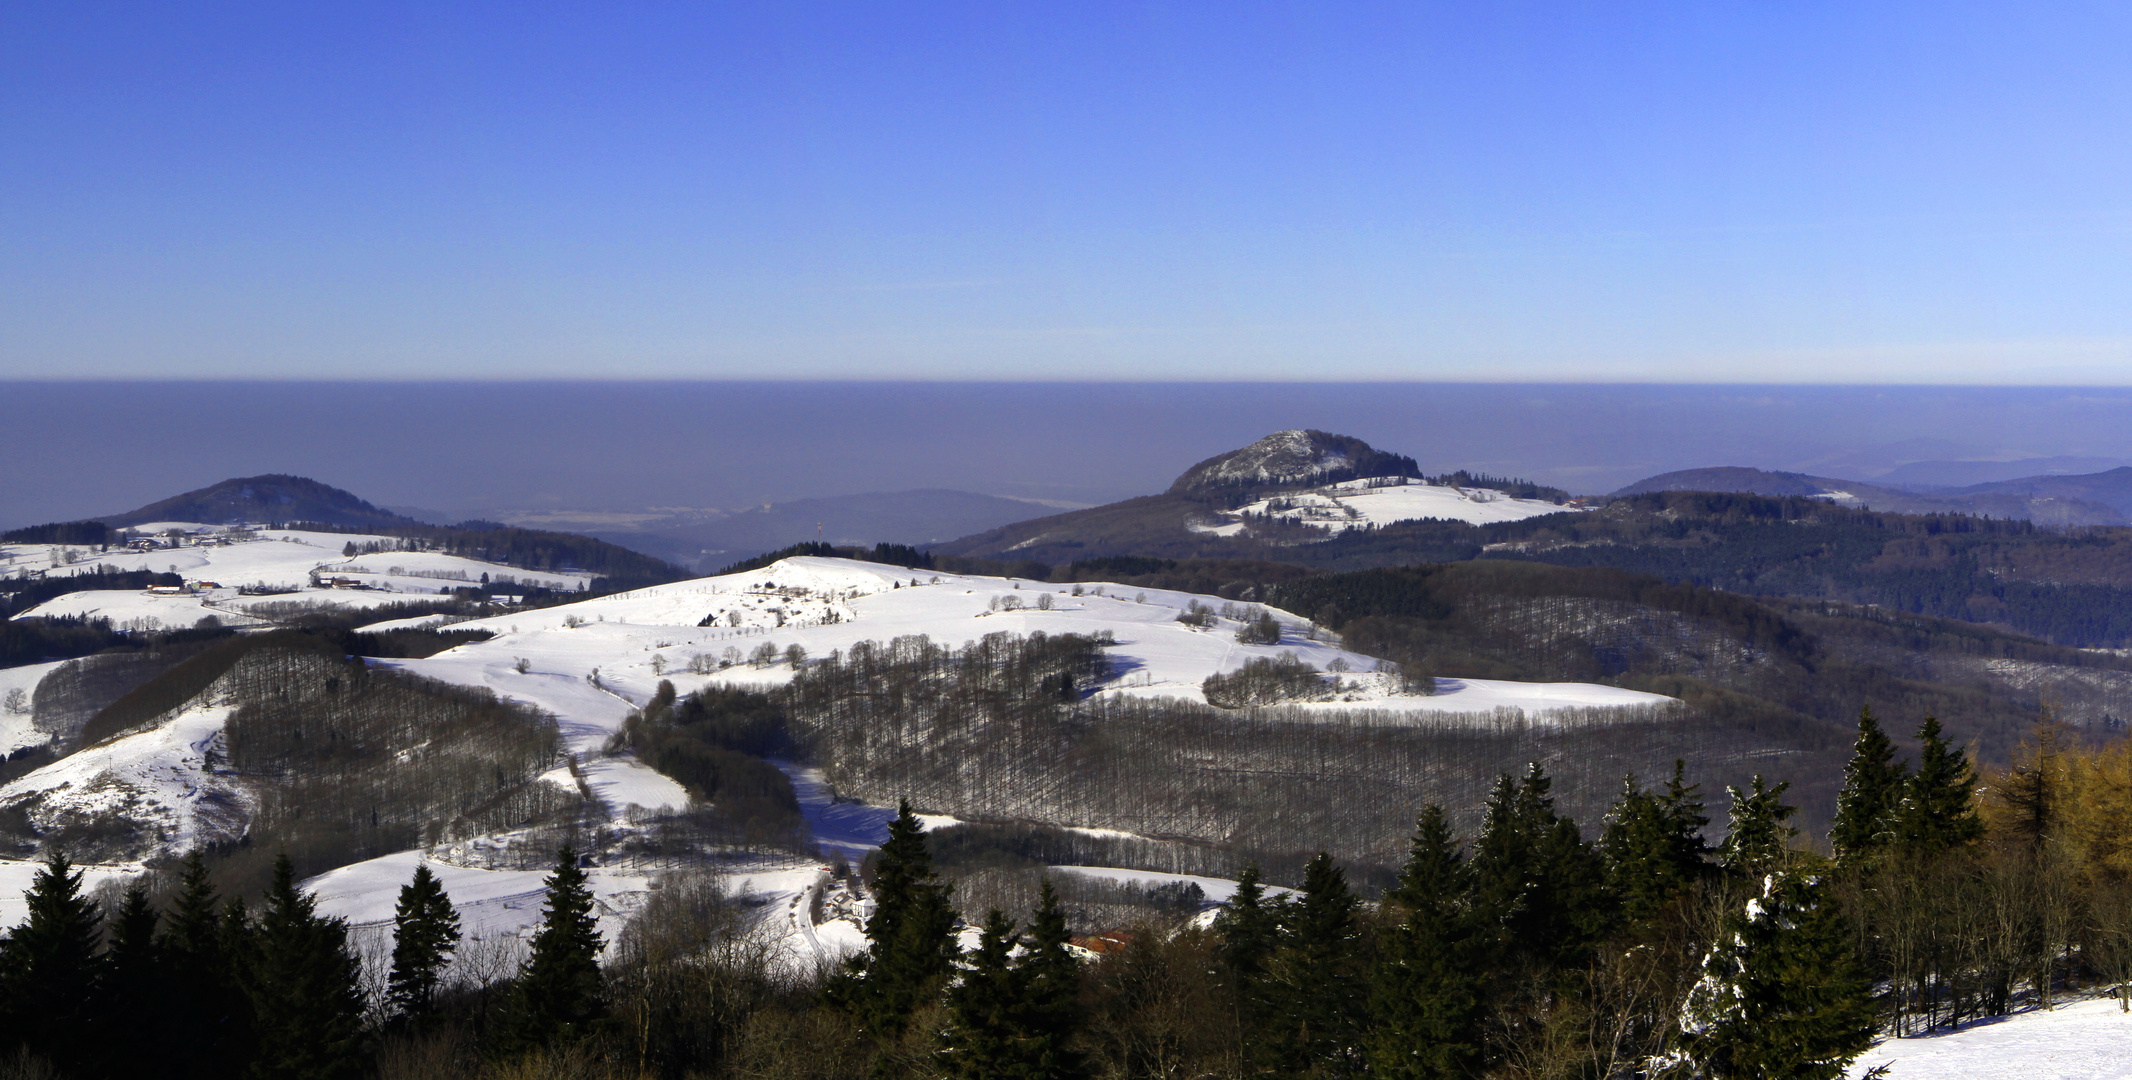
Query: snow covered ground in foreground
2087	1040
1343	506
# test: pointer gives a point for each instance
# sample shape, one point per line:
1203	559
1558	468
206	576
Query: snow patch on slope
1357	503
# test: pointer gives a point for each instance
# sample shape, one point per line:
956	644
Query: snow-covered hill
593	662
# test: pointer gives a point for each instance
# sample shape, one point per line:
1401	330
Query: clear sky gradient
1733	192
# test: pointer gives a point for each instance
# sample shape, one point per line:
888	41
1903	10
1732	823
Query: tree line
1529	947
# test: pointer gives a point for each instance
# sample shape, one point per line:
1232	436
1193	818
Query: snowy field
1343	506
277	559
1218	890
635	639
2086	1040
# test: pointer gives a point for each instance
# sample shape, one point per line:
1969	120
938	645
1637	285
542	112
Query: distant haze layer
472	449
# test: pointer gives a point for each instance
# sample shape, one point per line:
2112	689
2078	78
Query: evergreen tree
1050	994
559	994
1758	838
1319	979
1938	809
1782	994
135	988
910	937
211	1021
1424	997
425	932
53	975
980	1040
1872	789
1250	930
306	989
1653	845
1538	889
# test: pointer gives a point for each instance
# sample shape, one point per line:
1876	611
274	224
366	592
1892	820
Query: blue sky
1712	192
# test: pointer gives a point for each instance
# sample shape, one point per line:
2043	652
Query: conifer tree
1319	979
425	934
1872	789
1049	994
135	987
1782	993
1250	930
559	995
1758	838
980	1040
1938	809
306	989
211	1022
1424	997
910	936
1653	845
1538	889
53	975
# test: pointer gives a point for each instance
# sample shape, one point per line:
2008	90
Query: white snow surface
2085	1040
15	729
1343	506
832	604
1218	890
489	901
16	875
130	609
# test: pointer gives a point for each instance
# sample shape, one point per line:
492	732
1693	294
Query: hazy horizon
470	449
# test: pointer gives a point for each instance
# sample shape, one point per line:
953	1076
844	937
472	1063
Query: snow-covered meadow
1359	503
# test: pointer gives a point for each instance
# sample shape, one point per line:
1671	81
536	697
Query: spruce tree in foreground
1758	838
1250	931
1653	845
1538	888
1424	997
1938	809
211	1021
910	936
1782	996
306	989
51	971
559	994
1049	1006
1320	989
136	988
425	932
1872	789
980	1040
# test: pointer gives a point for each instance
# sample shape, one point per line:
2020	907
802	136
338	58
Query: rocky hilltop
1293	458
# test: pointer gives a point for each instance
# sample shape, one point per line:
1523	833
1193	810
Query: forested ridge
2069	586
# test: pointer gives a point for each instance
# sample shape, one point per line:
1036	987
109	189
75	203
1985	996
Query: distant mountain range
2098	499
